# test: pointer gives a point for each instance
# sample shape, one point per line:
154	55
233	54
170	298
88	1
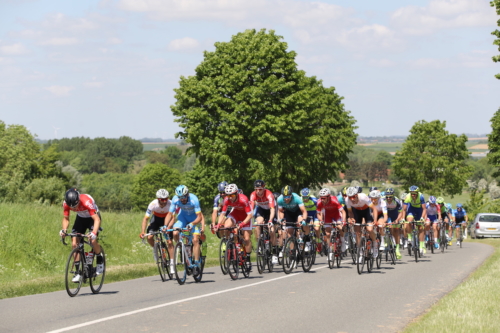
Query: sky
108	68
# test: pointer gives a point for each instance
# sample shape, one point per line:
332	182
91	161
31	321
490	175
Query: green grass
472	307
32	258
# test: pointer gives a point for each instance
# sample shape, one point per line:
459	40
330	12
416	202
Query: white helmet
162	194
352	191
231	189
374	194
324	192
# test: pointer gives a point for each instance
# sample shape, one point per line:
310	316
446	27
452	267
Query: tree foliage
496	4
250	113
368	164
151	178
433	159
494	143
111	191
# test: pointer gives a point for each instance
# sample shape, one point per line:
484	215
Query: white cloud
443	14
14	49
382	63
59	90
428	63
184	44
114	40
93	84
57	41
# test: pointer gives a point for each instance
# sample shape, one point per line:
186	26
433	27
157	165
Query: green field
395	146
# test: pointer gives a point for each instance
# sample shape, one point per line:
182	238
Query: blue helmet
413	188
449	206
304	192
432	199
221	186
459	205
181	191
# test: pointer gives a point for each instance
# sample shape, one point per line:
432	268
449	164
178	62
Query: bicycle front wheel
338	251
232	260
180	264
74	271
97	280
369	255
198	271
222	255
360	255
261	256
289	255
307	258
161	261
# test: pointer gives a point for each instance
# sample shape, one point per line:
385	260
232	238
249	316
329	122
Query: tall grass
32	258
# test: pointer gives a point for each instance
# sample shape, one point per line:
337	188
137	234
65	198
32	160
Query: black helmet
389	191
373	188
72	197
276	195
360	189
259	183
287	190
221	186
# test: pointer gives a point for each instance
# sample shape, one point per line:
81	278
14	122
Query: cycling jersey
310	206
188	211
393	208
459	215
86	207
341	200
330	210
363	202
241	209
218	200
381	207
417	203
294	204
155	209
266	201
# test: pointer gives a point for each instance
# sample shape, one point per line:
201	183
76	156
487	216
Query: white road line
69	328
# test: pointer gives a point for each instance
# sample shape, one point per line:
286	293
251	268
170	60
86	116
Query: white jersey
155	209
381	207
363	202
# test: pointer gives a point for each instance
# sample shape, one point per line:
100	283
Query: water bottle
267	245
89	257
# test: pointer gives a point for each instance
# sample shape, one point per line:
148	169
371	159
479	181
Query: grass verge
471	307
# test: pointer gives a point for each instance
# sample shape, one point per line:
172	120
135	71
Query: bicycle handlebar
72	234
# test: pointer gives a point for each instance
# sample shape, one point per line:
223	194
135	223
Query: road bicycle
413	246
264	249
350	238
365	250
161	254
184	262
295	250
82	263
443	239
390	243
236	254
334	246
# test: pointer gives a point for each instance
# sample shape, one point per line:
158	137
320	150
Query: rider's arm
97	223
424	212
169	220
214	215
144	223
374	211
304	212
65	222
342	212
281	213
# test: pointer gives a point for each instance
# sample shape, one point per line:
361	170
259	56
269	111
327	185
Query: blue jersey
341	200
190	208
294	203
459	215
218	201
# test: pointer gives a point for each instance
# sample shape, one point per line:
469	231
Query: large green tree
250	113
494	143
433	159
496	4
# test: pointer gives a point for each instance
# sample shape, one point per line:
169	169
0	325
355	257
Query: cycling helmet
162	194
403	195
259	184
352	191
459	205
449	206
240	191
304	192
287	190
413	188
432	199
373	188
324	192
382	195
440	200
221	186
374	194
389	191
72	197
231	189
344	190
360	189
181	191
276	195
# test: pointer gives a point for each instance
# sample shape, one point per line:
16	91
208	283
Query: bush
110	190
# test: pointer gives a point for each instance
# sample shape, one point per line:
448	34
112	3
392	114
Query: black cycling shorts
359	215
83	223
156	223
292	217
265	213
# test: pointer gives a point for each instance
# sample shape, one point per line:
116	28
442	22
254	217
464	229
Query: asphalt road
337	300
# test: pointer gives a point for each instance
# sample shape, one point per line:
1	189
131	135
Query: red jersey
266	201
330	210
241	207
86	207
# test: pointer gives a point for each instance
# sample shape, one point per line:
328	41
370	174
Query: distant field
148	146
472	146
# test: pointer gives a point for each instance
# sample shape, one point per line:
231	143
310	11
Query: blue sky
108	67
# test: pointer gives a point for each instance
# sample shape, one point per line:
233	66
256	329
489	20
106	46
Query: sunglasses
287	197
163	200
323	198
353	197
305	197
389	196
184	197
232	195
259	189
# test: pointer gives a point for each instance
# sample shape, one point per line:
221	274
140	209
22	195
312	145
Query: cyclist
433	213
330	211
395	214
291	208
187	207
87	217
218	201
358	208
460	219
159	209
265	209
240	216
416	210
445	216
342	196
381	220
310	203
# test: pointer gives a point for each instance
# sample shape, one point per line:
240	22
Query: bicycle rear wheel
391	250
307	258
244	264
353	248
314	247
289	255
222	255
369	255
180	264
96	281
331	252
198	272
338	251
261	256
74	267
161	261
232	260
378	260
361	255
